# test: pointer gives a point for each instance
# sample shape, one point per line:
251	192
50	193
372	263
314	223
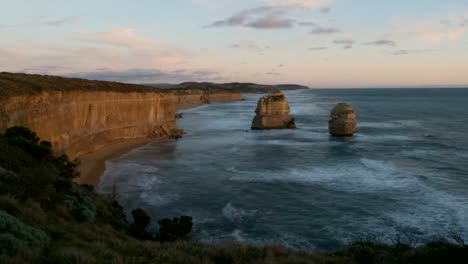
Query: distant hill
242	87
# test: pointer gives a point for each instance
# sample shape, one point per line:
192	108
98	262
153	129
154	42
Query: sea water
405	172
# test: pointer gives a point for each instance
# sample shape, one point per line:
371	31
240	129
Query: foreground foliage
47	218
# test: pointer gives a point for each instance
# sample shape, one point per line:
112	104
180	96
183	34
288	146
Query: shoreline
93	165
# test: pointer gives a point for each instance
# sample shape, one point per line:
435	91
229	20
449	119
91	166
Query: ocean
405	172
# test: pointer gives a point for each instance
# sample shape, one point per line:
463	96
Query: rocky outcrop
342	121
80	116
273	113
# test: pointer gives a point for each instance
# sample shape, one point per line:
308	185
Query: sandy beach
93	165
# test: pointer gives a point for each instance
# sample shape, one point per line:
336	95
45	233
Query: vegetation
25	84
47	218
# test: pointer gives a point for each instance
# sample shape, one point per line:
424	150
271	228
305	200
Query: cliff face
80	117
273	113
79	122
193	97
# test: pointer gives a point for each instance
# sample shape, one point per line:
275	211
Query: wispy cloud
453	34
325	30
318	48
271	22
264	17
248	45
62	21
122	37
300	3
382	42
344	42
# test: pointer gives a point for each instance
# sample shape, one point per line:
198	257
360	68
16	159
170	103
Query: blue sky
320	43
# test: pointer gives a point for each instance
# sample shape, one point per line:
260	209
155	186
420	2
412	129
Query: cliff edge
81	116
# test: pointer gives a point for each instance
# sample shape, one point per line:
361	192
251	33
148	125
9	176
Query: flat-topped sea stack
273	113
342	121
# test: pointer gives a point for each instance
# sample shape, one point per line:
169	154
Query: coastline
93	165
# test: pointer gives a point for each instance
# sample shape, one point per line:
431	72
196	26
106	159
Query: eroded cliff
80	116
273	113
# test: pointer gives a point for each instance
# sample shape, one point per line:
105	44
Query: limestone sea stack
342	121
273	113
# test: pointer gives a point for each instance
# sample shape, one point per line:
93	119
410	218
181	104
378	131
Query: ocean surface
405	172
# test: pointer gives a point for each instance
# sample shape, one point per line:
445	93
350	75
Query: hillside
242	87
23	84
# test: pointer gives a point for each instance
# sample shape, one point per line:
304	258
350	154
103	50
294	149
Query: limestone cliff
78	122
342	120
185	98
273	113
79	116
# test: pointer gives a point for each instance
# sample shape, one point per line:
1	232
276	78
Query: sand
93	165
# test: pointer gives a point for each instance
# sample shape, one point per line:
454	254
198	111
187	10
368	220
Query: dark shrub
175	229
28	140
141	218
63	184
22	132
67	169
141	221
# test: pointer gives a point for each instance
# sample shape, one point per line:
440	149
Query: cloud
325	10
344	42
400	52
430	35
312	4
122	37
414	51
249	45
271	23
306	24
150	75
382	42
264	17
62	21
273	73
318	48
272	15
325	31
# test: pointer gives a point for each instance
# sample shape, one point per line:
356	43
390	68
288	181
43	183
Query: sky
319	43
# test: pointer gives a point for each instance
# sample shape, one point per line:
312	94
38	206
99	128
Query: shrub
141	221
15	235
83	208
141	218
67	169
22	132
175	229
63	184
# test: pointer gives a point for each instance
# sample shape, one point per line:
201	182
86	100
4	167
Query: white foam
235	214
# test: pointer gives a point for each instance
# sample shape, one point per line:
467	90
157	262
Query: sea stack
273	113
342	121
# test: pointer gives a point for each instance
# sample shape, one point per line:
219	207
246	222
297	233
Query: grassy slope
25	84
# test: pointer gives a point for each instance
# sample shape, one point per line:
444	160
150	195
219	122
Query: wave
236	214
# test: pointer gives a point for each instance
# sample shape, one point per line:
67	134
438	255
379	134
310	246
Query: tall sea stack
273	113
342	121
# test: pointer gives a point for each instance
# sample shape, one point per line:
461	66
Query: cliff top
22	84
241	87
